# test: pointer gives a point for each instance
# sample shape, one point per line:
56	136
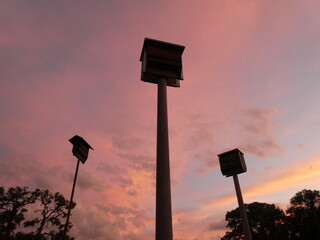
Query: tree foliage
266	222
301	221
48	219
12	209
304	215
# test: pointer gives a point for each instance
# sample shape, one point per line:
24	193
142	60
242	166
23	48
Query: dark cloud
111	169
132	215
48	178
117	176
87	180
263	149
257	139
90	223
260	123
17	167
132	236
139	161
200	130
108	221
123	181
118	210
132	192
27	171
30	172
209	158
217	225
127	144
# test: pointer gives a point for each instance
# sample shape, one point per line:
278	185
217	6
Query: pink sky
251	80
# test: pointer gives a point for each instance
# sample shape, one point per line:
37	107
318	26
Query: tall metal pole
243	213
71	198
163	190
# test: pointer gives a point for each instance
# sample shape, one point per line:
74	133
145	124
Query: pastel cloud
88	181
252	130
287	177
204	227
113	221
217	225
294	176
31	173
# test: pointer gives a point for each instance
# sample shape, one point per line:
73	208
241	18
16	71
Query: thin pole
71	198
243	213
163	190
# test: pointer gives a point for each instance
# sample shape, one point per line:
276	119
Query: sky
251	81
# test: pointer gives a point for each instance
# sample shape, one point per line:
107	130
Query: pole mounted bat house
162	65
80	150
232	163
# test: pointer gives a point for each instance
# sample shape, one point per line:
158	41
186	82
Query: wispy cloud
261	124
109	221
285	178
74	69
140	162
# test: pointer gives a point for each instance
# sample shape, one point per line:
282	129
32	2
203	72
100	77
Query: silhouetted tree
266	222
12	209
24	236
303	215
52	212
